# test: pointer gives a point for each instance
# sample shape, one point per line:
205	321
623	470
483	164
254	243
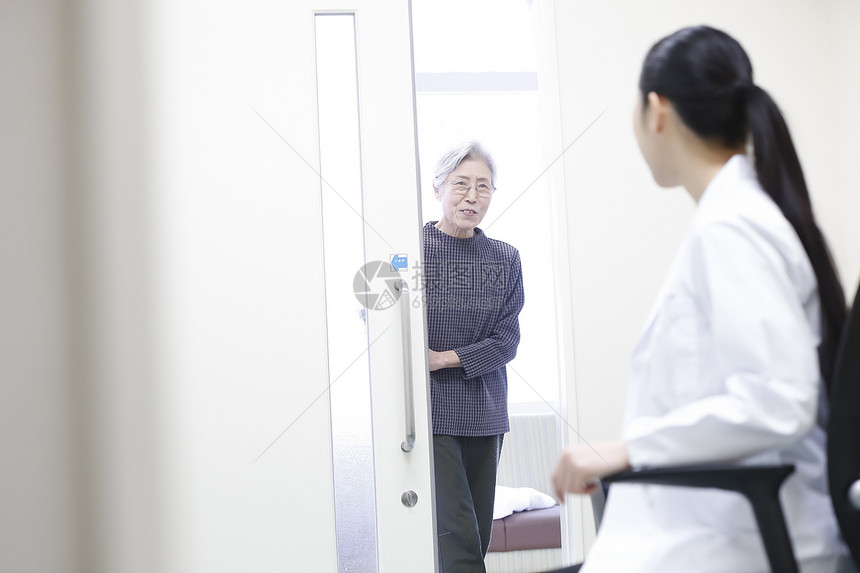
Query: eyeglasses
462	186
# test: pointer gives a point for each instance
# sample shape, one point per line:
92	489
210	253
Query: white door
286	166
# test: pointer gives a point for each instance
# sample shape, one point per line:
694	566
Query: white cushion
511	499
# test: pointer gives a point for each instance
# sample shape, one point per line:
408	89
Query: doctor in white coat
734	360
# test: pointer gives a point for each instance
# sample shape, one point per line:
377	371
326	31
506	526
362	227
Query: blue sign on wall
399	263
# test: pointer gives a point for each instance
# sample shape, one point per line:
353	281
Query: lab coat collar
738	168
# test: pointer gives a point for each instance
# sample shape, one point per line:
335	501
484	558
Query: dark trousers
465	492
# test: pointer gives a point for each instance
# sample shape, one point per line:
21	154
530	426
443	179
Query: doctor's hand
579	467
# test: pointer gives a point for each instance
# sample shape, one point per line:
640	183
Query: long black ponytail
707	76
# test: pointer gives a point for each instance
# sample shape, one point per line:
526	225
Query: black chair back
843	432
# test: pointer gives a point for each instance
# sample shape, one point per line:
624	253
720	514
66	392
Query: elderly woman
474	295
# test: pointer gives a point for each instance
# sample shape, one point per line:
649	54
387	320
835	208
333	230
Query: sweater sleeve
493	352
765	352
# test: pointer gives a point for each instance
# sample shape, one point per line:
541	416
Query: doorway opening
481	73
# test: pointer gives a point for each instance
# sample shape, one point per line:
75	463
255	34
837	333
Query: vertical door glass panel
349	378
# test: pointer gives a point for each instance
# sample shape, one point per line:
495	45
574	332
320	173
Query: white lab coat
726	369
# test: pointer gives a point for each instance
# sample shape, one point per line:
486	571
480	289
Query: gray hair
469	150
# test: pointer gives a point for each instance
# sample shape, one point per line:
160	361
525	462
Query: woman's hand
446	359
579	467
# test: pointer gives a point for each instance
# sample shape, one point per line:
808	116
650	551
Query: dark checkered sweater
474	294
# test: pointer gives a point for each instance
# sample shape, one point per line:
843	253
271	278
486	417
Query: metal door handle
406	329
854	495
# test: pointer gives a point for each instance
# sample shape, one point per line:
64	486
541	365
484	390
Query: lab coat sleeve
764	354
500	347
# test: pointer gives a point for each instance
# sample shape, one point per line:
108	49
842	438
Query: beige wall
842	96
36	531
622	229
77	453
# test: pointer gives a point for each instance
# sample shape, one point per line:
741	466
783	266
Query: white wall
843	17
623	229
